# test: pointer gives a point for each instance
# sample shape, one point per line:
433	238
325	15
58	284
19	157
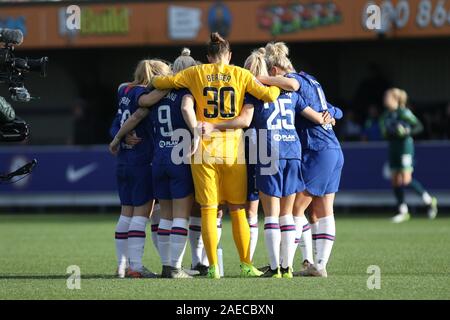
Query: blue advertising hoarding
61	169
366	166
90	171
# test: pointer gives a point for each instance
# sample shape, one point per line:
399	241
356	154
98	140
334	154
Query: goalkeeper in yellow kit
218	89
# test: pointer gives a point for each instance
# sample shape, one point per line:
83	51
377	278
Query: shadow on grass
53	277
235	277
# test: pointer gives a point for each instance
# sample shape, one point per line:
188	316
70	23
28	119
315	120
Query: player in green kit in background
399	125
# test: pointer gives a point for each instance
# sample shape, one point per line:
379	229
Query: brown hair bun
217	46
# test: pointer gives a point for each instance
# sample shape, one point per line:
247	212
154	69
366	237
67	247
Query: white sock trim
196	221
125	219
253	221
271	220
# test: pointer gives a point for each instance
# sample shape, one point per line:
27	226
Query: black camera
12	73
13	70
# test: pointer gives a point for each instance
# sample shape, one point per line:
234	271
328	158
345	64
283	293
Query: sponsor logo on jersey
168	144
285	137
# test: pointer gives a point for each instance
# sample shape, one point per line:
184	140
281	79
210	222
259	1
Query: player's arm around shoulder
182	79
149	99
285	83
258	90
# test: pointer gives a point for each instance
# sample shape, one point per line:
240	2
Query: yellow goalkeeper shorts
220	183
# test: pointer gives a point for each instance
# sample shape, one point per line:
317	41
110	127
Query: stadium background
77	102
46	225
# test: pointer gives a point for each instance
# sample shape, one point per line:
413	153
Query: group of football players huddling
204	139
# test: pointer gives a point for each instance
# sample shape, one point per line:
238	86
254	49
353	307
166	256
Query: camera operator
12	73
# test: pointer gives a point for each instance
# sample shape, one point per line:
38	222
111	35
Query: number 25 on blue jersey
282	116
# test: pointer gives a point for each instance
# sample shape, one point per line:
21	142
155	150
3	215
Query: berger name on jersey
218	77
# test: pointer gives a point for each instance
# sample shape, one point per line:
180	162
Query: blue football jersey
313	136
278	118
142	153
167	117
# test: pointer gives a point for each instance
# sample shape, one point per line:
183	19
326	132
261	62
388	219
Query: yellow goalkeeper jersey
219	91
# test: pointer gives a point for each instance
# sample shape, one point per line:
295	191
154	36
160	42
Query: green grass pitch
35	251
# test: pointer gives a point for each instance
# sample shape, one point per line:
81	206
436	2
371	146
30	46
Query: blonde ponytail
256	63
277	56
